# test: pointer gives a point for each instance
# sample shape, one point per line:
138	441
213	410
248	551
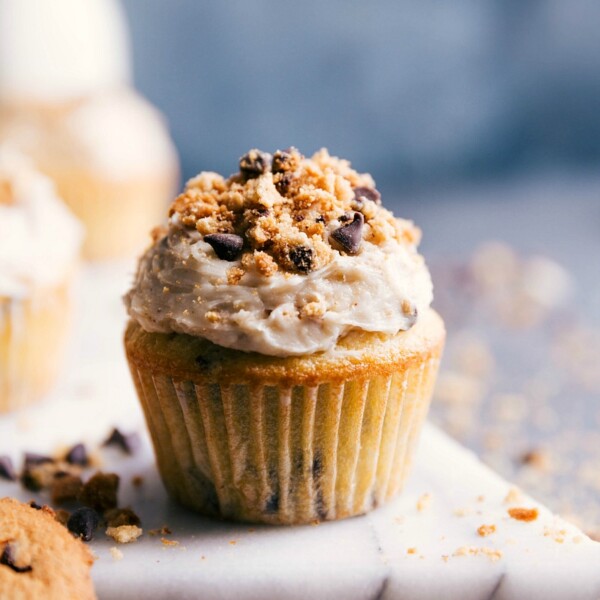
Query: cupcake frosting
283	258
39	238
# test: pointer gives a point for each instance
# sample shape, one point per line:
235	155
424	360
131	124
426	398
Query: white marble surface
362	558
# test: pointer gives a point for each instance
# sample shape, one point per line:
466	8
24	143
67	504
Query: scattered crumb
116	553
124	534
100	492
480	498
491	553
411	551
424	502
166	542
137	481
65	489
462	512
513	496
558	535
485	530
537	459
164	530
233	542
523	514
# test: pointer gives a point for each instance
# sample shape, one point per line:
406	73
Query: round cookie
39	558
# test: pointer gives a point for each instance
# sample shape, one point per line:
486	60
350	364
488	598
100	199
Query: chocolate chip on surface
349	237
35	505
302	258
77	455
32	459
83	523
7	470
227	246
7	559
361	194
255	163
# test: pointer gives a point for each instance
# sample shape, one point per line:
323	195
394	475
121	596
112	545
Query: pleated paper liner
286	453
33	337
117	214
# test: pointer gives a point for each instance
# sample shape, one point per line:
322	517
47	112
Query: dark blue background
417	92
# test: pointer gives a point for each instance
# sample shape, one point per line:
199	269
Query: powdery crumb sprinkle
513	496
491	553
116	553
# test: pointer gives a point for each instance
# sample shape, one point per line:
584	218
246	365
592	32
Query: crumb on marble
116	553
424	502
164	530
523	514
485	530
165	542
491	553
513	496
411	551
124	534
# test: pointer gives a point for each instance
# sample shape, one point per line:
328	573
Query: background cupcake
282	343
66	100
39	250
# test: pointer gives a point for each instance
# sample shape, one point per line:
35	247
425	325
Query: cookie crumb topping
287	212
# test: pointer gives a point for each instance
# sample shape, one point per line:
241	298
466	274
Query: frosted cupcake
39	249
74	112
281	342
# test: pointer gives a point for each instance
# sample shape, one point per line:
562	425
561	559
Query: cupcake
107	149
39	249
282	343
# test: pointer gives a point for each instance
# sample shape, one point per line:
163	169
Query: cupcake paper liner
286	454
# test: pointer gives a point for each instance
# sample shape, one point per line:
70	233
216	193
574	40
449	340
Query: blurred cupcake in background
66	100
40	243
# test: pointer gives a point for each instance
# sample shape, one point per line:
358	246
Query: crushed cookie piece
7	559
513	496
424	502
313	310
485	530
164	530
66	489
349	237
166	542
227	246
302	258
122	516
234	275
100	492
255	163
523	514
411	551
265	264
116	553
7	470
128	442
286	160
77	455
124	534
83	523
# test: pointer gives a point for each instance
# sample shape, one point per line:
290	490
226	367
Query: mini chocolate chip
128	442
255	163
366	193
227	246
282	182
35	505
77	455
349	236
7	559
33	460
302	257
284	160
7	470
83	522
320	219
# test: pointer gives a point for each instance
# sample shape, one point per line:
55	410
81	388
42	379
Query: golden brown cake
281	342
39	252
39	558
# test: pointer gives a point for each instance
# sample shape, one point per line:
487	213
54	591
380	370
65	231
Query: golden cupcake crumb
124	534
523	514
485	530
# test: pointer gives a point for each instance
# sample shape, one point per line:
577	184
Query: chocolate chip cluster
283	211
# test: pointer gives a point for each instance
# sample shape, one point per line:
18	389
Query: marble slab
424	545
